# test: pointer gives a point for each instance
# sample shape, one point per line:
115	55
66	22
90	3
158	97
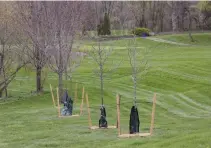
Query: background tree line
158	16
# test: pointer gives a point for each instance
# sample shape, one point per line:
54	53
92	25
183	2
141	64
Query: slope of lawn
180	75
202	39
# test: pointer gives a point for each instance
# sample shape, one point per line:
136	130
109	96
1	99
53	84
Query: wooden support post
59	114
82	102
76	92
88	110
118	113
53	99
153	114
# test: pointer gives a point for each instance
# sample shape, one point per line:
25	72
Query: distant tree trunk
4	74
190	26
174	15
60	74
142	20
2	70
1	63
38	70
161	25
101	82
38	78
174	21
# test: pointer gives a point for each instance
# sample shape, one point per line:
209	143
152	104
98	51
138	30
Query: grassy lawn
202	39
180	75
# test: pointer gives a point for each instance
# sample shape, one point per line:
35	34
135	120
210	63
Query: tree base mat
97	127
134	135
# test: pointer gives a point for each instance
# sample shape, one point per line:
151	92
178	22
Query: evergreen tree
106	25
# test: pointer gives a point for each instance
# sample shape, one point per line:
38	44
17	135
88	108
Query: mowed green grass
202	39
180	75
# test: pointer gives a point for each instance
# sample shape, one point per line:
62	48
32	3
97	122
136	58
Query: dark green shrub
141	31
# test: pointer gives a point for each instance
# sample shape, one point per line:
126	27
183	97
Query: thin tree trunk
3	68
174	17
190	28
6	82
161	24
134	76
101	82
101	74
60	85
5	90
135	86
38	79
38	71
1	63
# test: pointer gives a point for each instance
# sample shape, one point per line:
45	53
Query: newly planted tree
139	66
100	56
64	20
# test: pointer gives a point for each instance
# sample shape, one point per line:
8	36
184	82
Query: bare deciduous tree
138	63
64	21
32	20
100	56
10	57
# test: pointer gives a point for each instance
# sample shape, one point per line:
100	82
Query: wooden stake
88	109
82	102
118	113
153	114
76	94
59	114
53	99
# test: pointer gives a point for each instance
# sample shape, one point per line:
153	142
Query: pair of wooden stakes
120	135
58	105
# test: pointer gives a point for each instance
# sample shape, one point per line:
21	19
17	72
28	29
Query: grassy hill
202	39
180	75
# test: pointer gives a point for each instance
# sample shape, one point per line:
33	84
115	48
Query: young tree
139	66
138	62
100	56
64	21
